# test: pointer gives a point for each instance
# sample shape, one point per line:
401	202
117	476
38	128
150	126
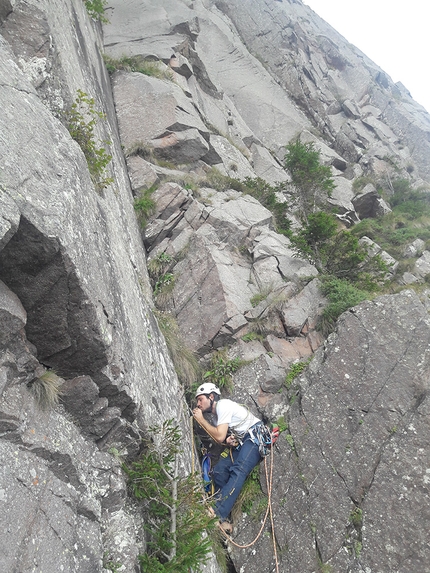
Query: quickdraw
264	437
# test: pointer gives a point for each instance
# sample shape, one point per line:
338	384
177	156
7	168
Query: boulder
303	309
185	146
234	219
268	243
266	275
234	163
142	174
422	265
374	249
210	290
138	101
369	204
414	249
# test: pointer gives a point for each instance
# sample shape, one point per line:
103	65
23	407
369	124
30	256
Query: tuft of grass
250	336
163	289
257	298
109	564
152	68
46	390
360	183
356	517
145	206
222	369
184	360
159	264
295	369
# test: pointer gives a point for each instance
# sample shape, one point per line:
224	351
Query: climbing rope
269	485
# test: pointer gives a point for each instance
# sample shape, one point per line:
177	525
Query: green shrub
145	206
81	120
335	252
341	295
312	180
96	10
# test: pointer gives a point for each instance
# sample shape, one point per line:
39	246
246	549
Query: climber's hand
231	441
198	414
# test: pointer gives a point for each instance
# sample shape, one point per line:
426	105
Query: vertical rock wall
75	298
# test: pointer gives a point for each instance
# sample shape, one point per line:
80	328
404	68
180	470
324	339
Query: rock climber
239	429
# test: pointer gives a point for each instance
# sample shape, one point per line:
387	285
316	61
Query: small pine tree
311	180
176	516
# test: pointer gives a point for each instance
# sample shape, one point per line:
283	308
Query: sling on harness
263	437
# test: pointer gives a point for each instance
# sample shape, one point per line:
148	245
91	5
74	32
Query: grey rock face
215	281
74	296
350	480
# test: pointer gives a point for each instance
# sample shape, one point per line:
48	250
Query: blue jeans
230	475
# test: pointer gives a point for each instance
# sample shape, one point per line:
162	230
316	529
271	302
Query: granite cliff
231	84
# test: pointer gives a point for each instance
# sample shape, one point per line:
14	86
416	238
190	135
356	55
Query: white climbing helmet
207	388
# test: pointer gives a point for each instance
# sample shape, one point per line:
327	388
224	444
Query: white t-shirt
236	416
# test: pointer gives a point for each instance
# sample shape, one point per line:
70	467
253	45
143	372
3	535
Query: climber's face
204	403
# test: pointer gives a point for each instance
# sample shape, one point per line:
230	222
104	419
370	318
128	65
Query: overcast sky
395	35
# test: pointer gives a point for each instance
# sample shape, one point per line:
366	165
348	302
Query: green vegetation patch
96	10
152	68
295	369
81	120
221	369
341	295
144	206
409	220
